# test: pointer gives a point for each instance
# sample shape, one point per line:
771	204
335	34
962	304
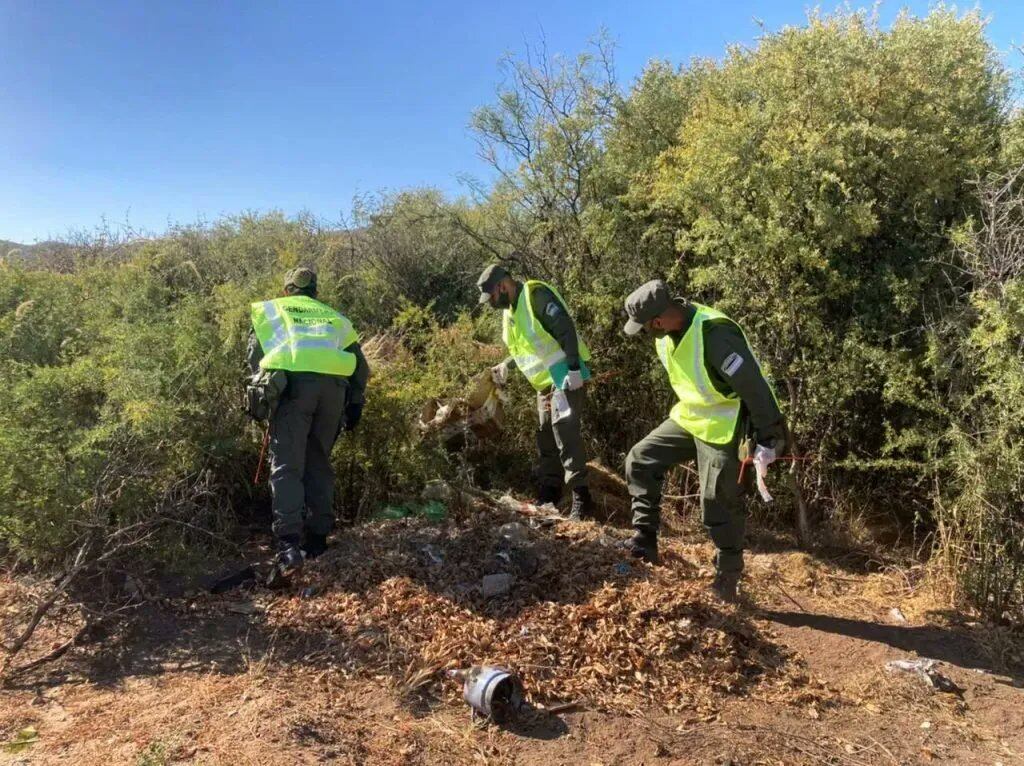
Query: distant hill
6	246
41	254
27	252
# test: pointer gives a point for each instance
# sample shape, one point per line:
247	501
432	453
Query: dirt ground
257	677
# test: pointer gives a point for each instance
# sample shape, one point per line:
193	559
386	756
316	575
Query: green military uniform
544	344
734	373
562	454
303	429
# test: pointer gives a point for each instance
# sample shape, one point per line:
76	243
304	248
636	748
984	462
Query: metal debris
494	585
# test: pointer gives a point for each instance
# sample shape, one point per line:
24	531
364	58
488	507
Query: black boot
643	545
547	493
289	555
315	545
725	586
582	504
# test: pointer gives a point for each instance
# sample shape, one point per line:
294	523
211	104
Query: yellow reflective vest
701	410
301	334
533	349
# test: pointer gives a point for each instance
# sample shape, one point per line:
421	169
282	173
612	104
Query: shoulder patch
553	309
732	363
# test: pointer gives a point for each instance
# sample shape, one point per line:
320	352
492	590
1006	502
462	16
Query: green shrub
980	512
820	187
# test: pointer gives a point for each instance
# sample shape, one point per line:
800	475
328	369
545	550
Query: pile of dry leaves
403	600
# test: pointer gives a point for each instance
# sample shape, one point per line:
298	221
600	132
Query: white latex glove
499	374
573	381
763	457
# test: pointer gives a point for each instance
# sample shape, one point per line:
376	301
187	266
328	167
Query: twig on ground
57	653
44	607
885	750
786	594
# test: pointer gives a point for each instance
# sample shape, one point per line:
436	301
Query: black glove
775	436
353	413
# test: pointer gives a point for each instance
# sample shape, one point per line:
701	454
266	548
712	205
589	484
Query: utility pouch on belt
263	392
747	442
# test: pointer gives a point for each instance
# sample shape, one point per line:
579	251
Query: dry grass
581	622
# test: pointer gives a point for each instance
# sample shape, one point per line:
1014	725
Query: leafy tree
543	137
818	175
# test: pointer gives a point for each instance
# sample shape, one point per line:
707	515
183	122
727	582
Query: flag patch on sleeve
732	363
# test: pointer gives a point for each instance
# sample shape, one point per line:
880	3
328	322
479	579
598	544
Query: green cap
488	279
300	278
645	303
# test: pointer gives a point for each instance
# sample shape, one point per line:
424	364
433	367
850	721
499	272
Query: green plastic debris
27	736
434	511
391	513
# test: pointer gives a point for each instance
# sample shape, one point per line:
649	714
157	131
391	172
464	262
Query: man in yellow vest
317	350
543	343
716	377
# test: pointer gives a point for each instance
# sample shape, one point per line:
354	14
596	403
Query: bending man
715	375
318	350
541	337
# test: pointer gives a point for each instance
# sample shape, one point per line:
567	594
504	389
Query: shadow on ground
950	645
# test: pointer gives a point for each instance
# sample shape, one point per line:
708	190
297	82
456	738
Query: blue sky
160	112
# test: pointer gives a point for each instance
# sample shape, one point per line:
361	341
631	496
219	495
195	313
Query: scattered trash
920	667
438	490
948	685
514	533
537	516
565	707
896	615
926	724
496	584
392	513
481	415
509	503
24	738
622	568
925	669
309	592
577	613
515	552
433	554
525	561
244	607
433	511
492	692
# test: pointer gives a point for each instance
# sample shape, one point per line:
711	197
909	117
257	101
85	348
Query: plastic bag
763	457
560	408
